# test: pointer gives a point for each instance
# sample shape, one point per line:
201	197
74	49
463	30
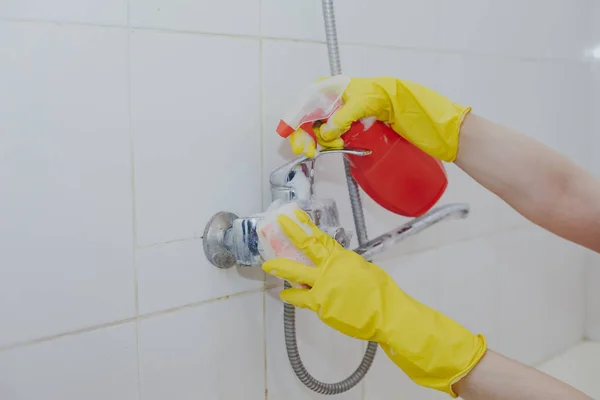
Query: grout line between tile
201	303
262	187
133	201
429	50
262	124
132	168
67	23
65	334
136	319
155	244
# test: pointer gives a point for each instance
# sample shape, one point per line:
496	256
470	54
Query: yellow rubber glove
361	300
302	143
423	117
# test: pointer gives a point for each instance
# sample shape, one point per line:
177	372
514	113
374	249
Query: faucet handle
281	176
347	150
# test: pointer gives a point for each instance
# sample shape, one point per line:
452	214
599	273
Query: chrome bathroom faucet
282	178
230	240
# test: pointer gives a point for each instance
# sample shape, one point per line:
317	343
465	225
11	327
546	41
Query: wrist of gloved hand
437	352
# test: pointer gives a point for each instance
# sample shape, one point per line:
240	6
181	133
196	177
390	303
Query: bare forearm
497	377
539	183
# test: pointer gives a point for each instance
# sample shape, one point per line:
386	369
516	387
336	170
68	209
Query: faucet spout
412	227
282	177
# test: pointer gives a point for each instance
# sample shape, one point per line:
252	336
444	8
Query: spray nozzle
316	104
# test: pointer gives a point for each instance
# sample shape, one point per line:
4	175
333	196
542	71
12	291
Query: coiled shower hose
289	312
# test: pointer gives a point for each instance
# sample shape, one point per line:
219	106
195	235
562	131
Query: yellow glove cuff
454	367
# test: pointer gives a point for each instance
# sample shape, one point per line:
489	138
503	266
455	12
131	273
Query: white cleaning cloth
273	242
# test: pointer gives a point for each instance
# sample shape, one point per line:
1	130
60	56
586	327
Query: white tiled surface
534	28
538	28
195	89
65	200
541	280
105	12
293	20
593	263
577	366
594	134
240	17
213	351
95	365
593	297
175	274
357	21
195	115
406	16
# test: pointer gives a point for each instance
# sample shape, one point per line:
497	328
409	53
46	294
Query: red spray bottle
397	175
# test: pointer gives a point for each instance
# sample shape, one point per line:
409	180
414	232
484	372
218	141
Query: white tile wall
369	22
106	12
213	351
594	136
577	367
239	17
546	274
534	28
592	279
292	19
66	255
443	24
593	262
357	21
95	365
175	274
194	95
195	115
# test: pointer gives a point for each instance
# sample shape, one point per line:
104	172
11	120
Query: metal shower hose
289	312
